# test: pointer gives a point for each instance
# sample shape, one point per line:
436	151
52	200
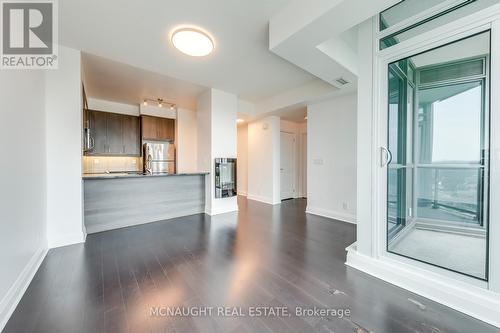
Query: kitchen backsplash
101	164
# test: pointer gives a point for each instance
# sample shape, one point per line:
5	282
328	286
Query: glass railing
450	193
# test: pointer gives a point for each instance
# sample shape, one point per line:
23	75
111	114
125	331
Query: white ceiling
295	114
118	82
137	33
319	36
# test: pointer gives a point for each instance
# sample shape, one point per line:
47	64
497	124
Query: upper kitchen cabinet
97	124
156	128
131	135
114	134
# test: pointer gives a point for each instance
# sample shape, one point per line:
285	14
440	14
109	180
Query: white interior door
287	165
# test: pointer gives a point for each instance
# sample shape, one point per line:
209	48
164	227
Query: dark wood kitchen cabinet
149	127
97	123
131	135
156	128
114	134
166	129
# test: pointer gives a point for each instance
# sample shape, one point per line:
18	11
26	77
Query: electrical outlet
344	205
96	161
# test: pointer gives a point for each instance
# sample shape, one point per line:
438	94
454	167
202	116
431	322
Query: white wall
186	141
131	109
63	105
264	160
109	106
365	156
217	138
156	111
204	132
331	168
22	183
224	141
242	152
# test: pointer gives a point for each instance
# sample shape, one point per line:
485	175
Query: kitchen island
114	201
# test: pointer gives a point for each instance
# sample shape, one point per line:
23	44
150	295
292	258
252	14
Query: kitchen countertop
93	176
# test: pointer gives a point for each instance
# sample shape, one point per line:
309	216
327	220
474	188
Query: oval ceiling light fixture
193	42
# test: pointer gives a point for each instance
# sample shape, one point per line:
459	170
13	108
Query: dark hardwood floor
262	256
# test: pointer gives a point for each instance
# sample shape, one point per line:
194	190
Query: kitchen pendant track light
159	102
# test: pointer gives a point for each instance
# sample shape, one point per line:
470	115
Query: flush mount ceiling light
193	42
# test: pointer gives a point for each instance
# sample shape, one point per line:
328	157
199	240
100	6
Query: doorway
287	165
438	156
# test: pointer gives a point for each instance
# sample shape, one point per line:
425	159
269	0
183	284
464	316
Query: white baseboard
344	217
222	210
67	240
10	301
262	199
472	300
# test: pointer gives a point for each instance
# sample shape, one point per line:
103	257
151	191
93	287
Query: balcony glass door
400	171
438	136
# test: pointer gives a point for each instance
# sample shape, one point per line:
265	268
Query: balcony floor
457	252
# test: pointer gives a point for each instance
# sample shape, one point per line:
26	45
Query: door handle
385	157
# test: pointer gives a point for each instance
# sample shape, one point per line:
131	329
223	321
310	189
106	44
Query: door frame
294	166
488	19
303	165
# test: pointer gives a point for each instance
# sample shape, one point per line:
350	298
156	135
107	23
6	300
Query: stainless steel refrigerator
159	157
